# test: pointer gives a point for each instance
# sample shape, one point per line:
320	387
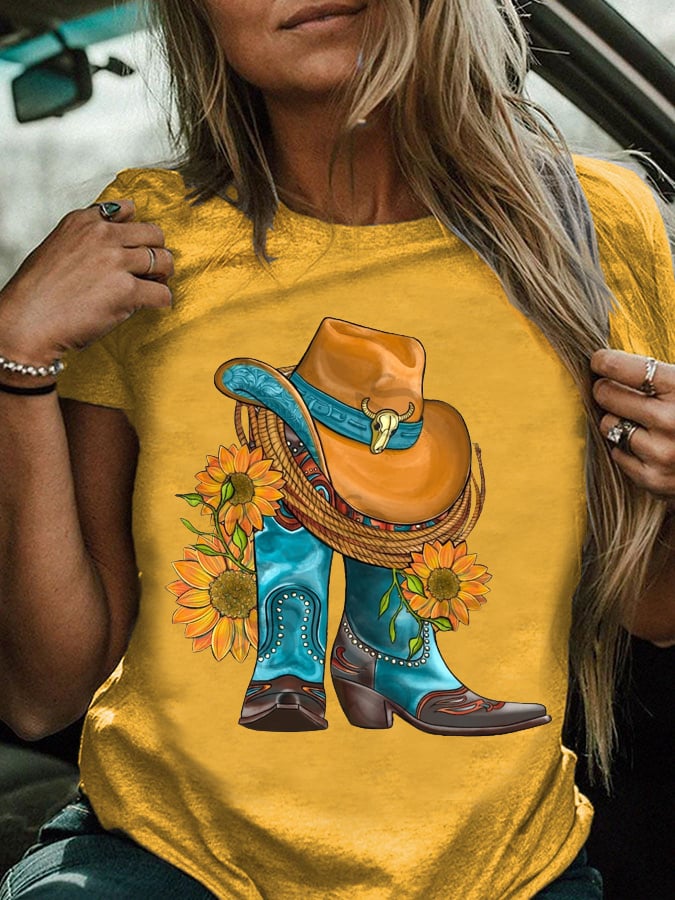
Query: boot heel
363	707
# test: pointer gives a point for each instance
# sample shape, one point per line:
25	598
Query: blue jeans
76	857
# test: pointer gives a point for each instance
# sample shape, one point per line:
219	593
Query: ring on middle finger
647	386
619	435
152	262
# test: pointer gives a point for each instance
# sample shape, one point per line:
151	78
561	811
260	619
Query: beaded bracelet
52	370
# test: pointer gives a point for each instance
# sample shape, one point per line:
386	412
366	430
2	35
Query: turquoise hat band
264	389
349	422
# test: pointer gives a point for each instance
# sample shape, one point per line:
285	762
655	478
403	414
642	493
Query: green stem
228	552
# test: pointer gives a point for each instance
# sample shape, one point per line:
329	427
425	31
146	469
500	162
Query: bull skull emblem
383	424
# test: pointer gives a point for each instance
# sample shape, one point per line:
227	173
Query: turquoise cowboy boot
374	677
287	692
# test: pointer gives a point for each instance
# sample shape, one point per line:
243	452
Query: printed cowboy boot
374	677
287	692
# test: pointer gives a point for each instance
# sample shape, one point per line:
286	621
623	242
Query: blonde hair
491	166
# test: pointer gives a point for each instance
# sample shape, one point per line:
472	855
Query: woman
407	367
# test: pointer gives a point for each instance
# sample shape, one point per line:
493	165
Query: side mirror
53	86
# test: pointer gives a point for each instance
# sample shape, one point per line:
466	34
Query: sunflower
245	483
444	583
217	600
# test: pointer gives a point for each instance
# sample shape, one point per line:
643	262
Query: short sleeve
635	256
96	373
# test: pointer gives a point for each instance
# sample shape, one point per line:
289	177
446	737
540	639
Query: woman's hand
649	458
86	277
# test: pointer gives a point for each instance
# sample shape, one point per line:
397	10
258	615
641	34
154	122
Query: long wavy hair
492	167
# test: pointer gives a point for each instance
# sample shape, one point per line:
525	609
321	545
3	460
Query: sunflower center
233	594
443	584
244	489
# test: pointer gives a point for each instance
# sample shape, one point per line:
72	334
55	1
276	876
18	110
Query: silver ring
647	386
619	435
108	210
153	260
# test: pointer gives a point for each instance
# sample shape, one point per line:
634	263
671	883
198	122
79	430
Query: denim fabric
76	857
578	882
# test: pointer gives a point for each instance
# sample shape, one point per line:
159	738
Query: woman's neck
368	187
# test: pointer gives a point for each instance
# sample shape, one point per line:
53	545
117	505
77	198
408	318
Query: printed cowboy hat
356	401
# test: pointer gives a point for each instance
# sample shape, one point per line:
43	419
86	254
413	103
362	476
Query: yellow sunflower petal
242	459
463	563
201	642
258	469
232	516
475	588
214	565
195	597
460	610
430	554
178	587
469	601
421	605
446	555
251	627
440	608
240	644
460	549
222	637
267	493
421	570
253	515
192	573
226	460
203	624
185	614
471	573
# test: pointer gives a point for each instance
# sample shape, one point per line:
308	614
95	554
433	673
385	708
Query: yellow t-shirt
348	811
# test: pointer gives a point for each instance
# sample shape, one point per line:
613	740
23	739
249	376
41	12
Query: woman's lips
318	14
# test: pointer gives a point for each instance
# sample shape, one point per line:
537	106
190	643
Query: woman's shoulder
618	197
160	192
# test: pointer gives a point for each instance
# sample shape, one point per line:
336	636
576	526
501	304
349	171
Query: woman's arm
67	604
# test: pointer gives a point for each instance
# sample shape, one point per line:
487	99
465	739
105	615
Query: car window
57	164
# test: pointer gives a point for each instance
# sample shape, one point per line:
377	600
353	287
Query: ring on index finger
619	435
647	386
109	209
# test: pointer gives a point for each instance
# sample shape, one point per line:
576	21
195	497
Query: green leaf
226	491
191	527
240	538
392	630
415	645
414	584
192	499
206	550
384	602
443	624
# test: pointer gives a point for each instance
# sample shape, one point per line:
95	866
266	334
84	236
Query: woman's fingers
637	391
150	262
632	371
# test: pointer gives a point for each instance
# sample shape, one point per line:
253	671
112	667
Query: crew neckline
287	218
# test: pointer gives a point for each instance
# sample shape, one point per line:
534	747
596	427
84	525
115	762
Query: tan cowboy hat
355	400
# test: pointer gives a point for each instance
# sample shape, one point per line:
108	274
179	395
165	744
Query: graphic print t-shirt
384	802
